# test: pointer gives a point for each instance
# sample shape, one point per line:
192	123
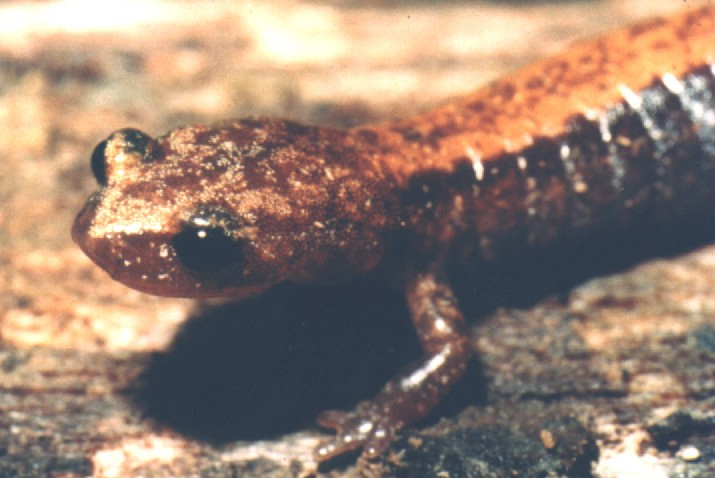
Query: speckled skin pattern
613	130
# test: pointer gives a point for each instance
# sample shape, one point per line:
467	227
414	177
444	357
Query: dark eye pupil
207	249
99	165
137	141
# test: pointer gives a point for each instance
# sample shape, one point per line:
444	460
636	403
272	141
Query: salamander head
231	211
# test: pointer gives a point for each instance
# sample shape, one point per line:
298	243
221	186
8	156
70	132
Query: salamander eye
208	242
99	164
122	144
138	142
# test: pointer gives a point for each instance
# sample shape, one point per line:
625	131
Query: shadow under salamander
269	365
266	366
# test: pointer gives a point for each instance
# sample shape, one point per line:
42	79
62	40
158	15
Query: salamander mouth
155	275
82	223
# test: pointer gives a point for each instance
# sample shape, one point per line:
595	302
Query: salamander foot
365	428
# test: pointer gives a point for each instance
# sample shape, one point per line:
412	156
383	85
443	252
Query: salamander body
611	131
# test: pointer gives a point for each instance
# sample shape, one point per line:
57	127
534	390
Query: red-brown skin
614	129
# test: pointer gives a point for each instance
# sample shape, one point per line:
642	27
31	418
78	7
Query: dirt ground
594	362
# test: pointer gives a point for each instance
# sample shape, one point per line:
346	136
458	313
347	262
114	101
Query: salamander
611	131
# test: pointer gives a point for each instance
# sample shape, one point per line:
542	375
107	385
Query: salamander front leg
417	389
